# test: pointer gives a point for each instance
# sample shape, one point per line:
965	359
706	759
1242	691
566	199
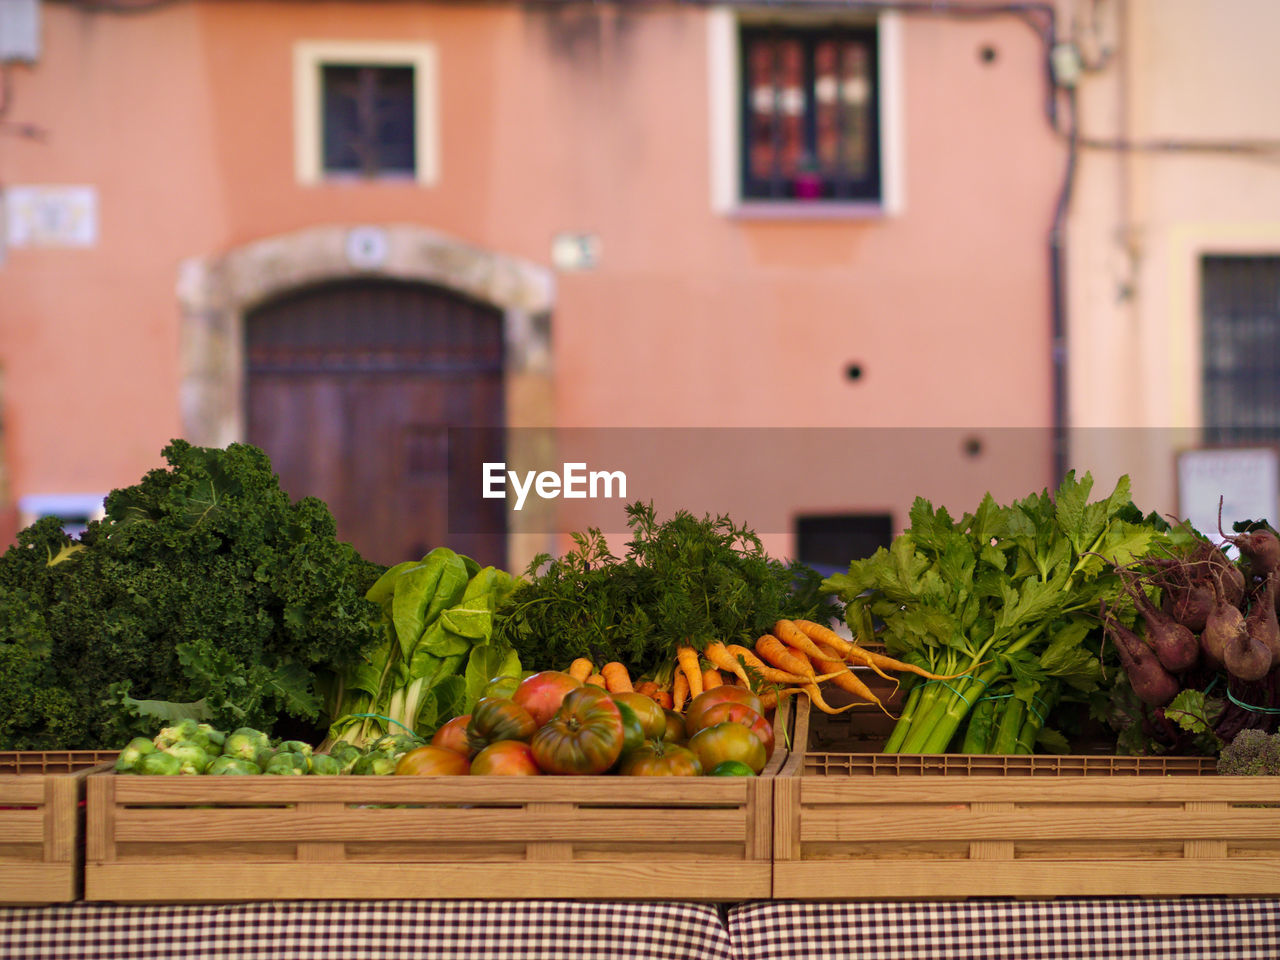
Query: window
1241	348
830	542
365	111
809	113
368	120
805	118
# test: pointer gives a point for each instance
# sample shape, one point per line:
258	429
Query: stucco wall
587	118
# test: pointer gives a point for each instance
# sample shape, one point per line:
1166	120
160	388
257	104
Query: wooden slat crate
152	839
857	824
41	823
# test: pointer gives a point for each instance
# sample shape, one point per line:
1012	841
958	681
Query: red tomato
542	694
675	727
653	719
494	719
584	737
432	761
657	758
726	692
453	735
741	713
506	758
728	741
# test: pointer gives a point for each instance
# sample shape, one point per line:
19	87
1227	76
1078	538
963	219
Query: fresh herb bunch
204	593
683	581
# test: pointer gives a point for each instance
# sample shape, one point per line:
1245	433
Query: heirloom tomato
505	758
653	719
657	758
584	737
542	693
675	727
453	735
741	713
632	731
699	705
728	741
494	719
429	761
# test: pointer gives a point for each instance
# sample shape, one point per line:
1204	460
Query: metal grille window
810	115
368	119
1241	348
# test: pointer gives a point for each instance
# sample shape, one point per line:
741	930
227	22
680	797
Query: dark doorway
351	388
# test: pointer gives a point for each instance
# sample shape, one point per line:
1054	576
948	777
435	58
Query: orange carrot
679	691
774	651
815	695
581	668
793	636
766	672
663	699
724	660
616	677
597	680
687	659
711	678
647	687
876	661
845	679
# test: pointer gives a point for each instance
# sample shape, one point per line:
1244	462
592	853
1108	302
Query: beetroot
1224	625
1175	645
1262	623
1151	682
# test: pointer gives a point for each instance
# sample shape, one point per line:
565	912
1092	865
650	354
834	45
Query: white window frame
310	57
725	83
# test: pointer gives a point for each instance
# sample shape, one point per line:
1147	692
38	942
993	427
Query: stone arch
216	292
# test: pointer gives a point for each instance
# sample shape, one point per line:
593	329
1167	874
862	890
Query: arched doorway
220	294
352	386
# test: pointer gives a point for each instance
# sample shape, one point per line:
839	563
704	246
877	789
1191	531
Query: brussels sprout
245	743
346	754
132	754
191	755
375	763
295	746
160	763
231	766
286	765
211	735
323	765
182	730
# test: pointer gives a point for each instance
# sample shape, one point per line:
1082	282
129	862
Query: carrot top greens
684	580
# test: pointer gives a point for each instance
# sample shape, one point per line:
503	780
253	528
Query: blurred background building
958	246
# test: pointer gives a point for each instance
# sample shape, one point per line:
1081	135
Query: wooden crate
855	824
41	823
152	839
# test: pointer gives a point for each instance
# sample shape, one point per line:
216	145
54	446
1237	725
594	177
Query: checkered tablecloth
381	930
1097	929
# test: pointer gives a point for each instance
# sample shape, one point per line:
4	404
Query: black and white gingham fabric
378	930
1201	928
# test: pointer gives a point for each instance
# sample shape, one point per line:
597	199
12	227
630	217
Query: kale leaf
203	585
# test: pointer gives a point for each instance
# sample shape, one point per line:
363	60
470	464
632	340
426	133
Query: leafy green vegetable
436	656
682	581
203	593
1006	598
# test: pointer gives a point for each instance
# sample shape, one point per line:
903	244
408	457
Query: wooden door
352	387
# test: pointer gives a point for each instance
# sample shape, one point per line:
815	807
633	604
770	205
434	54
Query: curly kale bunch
203	593
1251	752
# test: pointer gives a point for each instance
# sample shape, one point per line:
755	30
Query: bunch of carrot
796	656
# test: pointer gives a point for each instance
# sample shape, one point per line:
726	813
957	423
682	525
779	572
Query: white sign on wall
1247	479
51	216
